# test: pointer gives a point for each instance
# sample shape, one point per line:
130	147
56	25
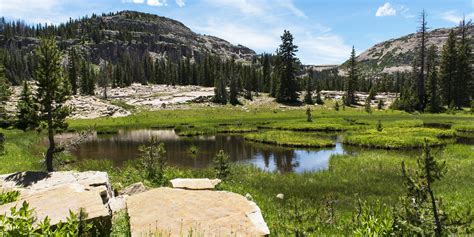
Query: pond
124	146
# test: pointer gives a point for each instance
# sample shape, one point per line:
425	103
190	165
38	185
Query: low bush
7	197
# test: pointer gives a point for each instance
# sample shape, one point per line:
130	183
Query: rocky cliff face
397	54
137	32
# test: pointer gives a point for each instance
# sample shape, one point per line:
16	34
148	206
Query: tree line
439	79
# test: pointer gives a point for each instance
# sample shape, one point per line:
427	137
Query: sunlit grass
290	139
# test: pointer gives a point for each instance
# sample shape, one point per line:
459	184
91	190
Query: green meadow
314	203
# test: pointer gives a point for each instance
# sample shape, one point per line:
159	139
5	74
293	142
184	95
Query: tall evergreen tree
420	82
234	93
105	76
51	94
448	69
287	91
27	110
434	100
5	92
308	98
352	79
220	92
464	77
266	71
73	69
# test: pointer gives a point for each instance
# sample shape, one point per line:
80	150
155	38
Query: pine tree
105	76
420	214
27	110
308	98
367	107
5	92
420	82
274	80
448	69
380	105
351	84
434	100
51	94
309	116
287	91
266	73
220	92
464	72
319	100
73	68
233	89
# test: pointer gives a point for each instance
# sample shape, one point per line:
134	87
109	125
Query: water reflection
123	147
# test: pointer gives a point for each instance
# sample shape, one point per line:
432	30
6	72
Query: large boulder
55	194
195	184
178	212
31	183
56	203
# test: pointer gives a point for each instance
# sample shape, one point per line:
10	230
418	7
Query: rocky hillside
107	36
397	54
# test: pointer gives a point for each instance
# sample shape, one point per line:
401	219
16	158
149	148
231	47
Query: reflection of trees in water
120	149
284	160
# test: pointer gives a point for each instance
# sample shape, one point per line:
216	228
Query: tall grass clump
290	139
398	138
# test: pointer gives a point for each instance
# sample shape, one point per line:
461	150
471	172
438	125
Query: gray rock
133	189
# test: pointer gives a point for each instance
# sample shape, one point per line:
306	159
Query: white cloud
454	17
323	49
405	12
240	34
28	10
386	10
289	5
244	6
180	3
156	3
259	7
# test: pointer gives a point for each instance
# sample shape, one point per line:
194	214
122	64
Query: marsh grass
22	151
290	139
399	138
319	203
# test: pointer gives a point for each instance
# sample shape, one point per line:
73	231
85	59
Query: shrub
380	105
222	165
20	223
309	117
8	197
367	107
336	106
154	161
372	220
379	127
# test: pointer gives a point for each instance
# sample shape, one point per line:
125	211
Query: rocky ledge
190	206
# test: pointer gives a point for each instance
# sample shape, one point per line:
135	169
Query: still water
123	147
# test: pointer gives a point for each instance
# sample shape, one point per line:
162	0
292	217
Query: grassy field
321	203
289	139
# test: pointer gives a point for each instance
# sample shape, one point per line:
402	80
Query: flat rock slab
31	183
195	184
56	203
178	212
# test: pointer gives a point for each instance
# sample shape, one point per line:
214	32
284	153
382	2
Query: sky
324	30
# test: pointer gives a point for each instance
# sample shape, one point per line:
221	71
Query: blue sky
324	30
